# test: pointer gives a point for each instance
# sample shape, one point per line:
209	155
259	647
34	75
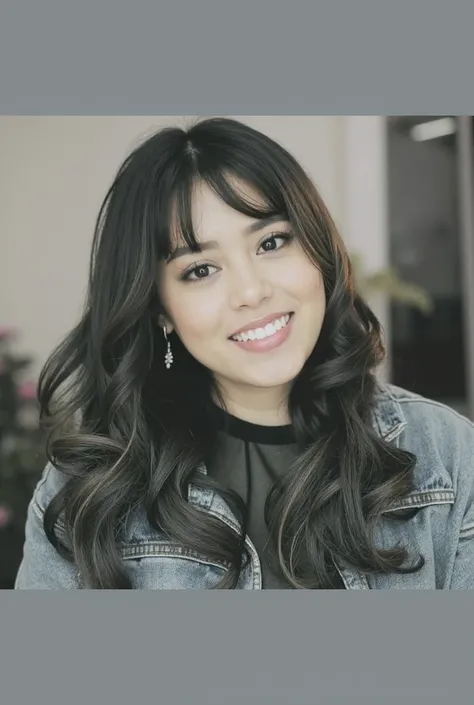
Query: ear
164	322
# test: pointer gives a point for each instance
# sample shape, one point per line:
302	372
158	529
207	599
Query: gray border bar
115	57
283	648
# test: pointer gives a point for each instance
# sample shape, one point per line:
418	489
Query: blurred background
400	189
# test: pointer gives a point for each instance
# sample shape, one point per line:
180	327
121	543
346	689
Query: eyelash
286	237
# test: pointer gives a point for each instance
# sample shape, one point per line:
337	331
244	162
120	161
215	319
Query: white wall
365	223
54	172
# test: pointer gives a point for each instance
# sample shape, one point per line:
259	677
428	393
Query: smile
267	331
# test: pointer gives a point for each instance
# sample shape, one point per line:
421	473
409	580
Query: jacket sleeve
42	567
463	569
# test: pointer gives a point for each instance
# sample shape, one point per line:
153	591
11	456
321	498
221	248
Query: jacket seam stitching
394	432
467	531
427	498
152	550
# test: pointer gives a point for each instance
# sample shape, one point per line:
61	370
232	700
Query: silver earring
169	354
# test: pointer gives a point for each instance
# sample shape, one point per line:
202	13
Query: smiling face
249	306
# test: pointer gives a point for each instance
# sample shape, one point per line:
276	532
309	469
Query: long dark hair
127	432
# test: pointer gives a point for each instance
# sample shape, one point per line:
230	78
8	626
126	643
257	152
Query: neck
265	406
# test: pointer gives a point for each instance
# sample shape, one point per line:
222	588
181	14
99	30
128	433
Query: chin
281	377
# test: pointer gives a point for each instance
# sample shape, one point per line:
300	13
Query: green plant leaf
388	281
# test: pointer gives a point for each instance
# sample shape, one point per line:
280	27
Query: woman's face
250	305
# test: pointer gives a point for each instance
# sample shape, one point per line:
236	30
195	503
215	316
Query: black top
248	459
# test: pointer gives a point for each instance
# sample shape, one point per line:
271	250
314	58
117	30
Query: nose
249	287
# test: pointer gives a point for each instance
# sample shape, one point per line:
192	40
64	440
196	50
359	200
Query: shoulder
42	566
50	483
419	413
441	438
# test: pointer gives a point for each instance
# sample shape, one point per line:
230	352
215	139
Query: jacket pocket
163	565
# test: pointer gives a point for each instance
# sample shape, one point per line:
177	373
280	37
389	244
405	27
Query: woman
214	420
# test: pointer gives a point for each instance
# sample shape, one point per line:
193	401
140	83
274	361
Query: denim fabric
442	530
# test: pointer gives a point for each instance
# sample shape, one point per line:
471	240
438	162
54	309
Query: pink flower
27	391
6	332
5	516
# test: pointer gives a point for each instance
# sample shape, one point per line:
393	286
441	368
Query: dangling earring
169	354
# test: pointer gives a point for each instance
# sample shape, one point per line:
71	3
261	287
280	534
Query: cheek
304	282
196	315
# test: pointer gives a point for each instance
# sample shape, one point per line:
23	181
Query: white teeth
261	333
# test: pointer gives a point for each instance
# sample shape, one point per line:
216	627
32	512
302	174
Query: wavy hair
127	432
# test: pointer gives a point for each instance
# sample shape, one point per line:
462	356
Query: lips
265	339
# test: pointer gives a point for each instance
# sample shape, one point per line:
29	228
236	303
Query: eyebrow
212	244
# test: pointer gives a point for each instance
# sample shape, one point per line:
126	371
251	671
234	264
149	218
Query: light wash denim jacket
442	529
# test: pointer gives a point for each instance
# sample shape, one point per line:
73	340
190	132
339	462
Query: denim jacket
441	530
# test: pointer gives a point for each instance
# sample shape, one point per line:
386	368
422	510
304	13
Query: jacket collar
388	418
